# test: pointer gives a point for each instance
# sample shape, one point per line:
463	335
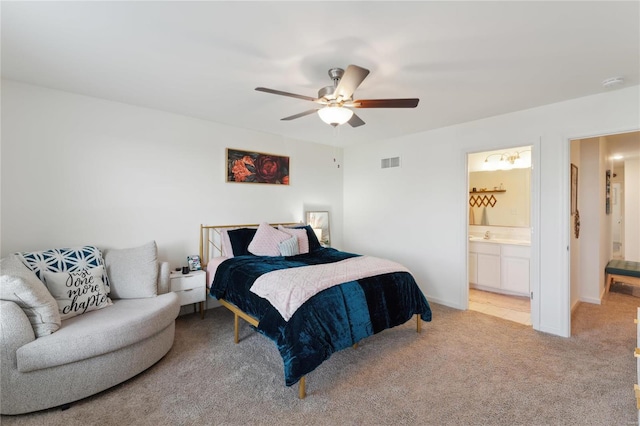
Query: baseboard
593	300
447	303
575	306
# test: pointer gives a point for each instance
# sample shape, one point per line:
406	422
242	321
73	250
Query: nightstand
190	288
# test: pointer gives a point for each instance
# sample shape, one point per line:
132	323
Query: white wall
512	208
417	213
632	209
595	224
575	242
606	244
78	170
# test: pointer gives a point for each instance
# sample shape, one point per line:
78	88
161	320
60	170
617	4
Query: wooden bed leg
235	328
418	323
355	346
302	391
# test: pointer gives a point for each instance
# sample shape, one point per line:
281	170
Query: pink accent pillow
301	234
266	241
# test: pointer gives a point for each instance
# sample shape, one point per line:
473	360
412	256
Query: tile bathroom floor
512	308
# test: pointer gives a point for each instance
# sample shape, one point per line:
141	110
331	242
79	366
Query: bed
311	302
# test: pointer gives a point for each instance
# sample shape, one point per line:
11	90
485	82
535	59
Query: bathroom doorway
499	232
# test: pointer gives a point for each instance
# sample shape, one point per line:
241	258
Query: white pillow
77	292
20	285
225	244
301	234
289	247
266	241
133	272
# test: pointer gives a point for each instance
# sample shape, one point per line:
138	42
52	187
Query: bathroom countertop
499	241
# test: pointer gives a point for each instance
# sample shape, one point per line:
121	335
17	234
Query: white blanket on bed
288	289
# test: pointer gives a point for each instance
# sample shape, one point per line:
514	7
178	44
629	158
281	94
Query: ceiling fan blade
385	103
292	95
302	114
355	121
352	78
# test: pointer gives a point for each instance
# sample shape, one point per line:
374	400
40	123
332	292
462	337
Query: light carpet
465	368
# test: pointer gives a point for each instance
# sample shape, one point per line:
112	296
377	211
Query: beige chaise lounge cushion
99	332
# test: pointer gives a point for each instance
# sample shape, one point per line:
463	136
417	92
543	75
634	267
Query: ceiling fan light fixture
335	115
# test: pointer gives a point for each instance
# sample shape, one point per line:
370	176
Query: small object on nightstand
190	288
185	270
194	262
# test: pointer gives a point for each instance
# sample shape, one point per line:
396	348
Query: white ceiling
464	60
626	145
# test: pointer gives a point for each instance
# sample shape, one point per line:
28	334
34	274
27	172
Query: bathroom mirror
511	200
319	221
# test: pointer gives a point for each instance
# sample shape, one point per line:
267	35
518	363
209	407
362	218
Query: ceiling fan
337	100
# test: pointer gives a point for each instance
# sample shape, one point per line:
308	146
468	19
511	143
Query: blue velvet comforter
332	320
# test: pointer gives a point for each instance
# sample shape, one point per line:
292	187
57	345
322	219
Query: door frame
566	211
534	218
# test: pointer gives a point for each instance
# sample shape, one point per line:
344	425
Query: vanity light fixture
613	82
507	161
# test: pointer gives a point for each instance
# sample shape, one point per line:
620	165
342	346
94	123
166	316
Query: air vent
386	163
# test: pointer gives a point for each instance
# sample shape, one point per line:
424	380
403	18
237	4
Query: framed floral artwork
257	167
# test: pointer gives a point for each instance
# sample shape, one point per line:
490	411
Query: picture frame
256	167
608	192
319	222
194	262
574	189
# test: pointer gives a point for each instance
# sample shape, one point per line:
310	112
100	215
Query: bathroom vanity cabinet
498	267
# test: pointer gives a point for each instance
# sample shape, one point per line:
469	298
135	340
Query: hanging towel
472	219
484	220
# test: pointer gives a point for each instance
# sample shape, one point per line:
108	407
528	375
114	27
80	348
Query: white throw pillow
225	244
133	272
266	241
77	292
289	247
20	285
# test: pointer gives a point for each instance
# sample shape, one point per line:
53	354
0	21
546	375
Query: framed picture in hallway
608	192
574	189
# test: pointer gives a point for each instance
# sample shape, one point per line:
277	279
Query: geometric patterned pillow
64	260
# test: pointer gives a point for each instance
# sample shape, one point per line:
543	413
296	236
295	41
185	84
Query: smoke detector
612	82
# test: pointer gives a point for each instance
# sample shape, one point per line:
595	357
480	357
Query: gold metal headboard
211	238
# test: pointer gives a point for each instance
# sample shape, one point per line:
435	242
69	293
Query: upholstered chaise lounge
90	352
